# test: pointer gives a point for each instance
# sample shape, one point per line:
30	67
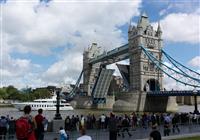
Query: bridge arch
152	85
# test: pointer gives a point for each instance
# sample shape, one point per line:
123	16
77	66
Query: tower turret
159	31
130	27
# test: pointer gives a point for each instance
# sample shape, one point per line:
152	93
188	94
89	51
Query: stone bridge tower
144	76
90	71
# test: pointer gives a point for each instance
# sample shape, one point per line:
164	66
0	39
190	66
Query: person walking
103	119
125	126
112	125
167	121
39	132
175	123
67	123
26	125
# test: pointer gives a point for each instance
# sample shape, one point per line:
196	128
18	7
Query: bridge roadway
115	55
140	133
174	93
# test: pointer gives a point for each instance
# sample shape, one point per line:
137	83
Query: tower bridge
144	74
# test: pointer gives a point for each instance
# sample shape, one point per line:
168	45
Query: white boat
45	104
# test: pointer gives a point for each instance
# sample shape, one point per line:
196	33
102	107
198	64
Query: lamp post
196	111
57	115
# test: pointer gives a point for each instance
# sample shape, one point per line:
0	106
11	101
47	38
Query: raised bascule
143	76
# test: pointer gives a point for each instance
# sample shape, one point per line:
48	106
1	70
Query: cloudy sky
42	42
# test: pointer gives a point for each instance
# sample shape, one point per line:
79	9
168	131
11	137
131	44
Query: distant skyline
42	41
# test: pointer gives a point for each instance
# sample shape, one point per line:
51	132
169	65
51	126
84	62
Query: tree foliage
28	94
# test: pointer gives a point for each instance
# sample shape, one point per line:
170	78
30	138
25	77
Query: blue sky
42	43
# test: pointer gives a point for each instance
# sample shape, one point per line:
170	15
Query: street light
196	111
57	115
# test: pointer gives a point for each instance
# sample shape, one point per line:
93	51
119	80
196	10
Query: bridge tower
90	71
144	76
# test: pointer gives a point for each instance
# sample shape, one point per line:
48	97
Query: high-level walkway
140	133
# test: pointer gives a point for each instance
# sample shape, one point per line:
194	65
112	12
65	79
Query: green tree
3	94
41	93
12	93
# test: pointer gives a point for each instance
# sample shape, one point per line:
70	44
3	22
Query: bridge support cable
73	91
194	74
168	69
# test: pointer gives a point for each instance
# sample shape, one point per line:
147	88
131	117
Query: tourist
3	127
102	121
45	123
93	121
63	134
155	134
40	125
133	120
77	122
175	123
30	123
167	121
11	130
67	123
83	135
89	121
125	126
144	121
73	123
82	122
112	125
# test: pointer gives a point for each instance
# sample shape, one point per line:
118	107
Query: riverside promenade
139	133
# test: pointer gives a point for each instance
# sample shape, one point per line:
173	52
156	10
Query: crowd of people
135	120
27	127
117	125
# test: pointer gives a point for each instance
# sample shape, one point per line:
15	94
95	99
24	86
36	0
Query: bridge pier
141	102
130	101
86	102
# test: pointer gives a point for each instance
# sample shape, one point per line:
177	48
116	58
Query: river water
12	112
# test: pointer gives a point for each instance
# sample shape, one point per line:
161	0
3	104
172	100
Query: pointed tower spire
144	15
159	28
159	31
143	21
130	27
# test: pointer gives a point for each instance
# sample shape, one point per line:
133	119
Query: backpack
23	128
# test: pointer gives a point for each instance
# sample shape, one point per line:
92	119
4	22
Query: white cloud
181	27
66	70
195	62
37	29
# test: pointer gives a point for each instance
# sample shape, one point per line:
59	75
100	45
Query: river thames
13	112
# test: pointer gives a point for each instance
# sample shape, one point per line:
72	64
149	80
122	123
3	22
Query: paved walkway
140	133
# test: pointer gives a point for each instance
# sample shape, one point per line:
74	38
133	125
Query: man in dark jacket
125	126
175	123
112	124
3	127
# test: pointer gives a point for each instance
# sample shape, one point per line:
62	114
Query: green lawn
190	138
